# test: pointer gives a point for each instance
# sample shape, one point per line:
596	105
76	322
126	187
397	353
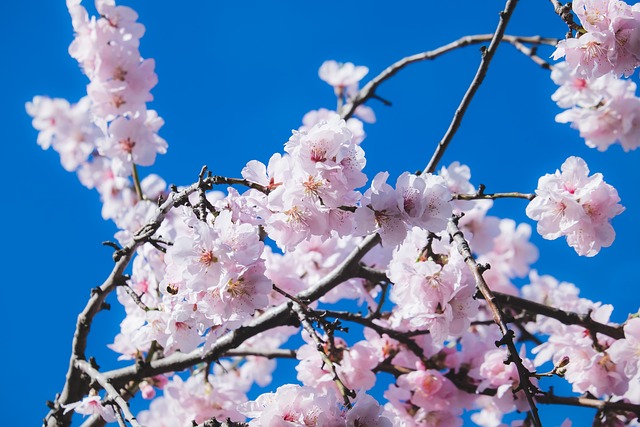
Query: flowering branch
75	388
525	382
487	56
401	337
326	359
276	316
215	423
96	376
565	317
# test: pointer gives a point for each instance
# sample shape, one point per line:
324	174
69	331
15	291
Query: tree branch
369	90
326	360
277	353
480	195
487	56
601	405
75	388
113	394
525	376
565	317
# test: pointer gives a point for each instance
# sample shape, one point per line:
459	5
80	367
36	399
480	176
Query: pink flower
572	204
134	141
340	75
92	405
67	128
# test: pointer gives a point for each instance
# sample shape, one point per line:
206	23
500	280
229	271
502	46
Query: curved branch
369	90
602	405
75	387
276	316
493	196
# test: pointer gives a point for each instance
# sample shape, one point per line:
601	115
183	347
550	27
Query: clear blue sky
235	78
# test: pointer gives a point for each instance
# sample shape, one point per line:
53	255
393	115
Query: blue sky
234	79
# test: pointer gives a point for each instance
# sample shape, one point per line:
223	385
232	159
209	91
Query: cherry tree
408	277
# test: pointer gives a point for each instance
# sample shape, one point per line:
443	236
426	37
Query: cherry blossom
611	41
67	128
341	75
573	204
91	405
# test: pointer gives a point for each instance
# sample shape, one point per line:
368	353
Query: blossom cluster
605	110
602	106
120	83
610	42
219	261
573	204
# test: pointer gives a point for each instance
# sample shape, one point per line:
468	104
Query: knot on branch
507	338
483	267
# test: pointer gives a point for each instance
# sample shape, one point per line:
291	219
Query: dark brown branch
487	56
565	317
369	90
276	316
269	354
136	298
531	52
75	388
215	423
601	405
498	316
372	275
220	180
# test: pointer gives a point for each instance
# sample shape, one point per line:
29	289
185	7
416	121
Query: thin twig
531	52
602	405
487	56
136	298
276	316
136	181
498	316
212	422
368	91
342	388
493	196
402	337
113	394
